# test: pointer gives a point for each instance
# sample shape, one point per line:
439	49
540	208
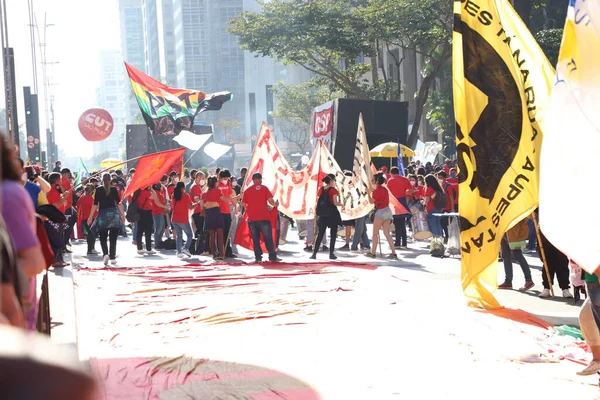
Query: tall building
111	96
133	47
159	37
209	59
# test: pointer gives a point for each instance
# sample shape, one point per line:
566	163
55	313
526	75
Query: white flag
569	213
191	140
215	150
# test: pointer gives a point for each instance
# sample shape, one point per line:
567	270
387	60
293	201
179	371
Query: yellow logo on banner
502	82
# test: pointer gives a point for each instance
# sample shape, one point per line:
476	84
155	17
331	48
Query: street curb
63	308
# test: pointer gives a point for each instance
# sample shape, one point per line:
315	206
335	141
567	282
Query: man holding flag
255	200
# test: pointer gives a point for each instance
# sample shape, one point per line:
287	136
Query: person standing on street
145	199
400	187
256	199
182	204
328	215
57	167
510	253
225	207
110	217
383	216
558	264
85	204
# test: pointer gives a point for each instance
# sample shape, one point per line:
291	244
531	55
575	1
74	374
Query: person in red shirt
56	196
449	191
213	220
453	180
256	200
383	216
145	200
228	193
400	187
85	204
328	216
159	215
182	204
432	190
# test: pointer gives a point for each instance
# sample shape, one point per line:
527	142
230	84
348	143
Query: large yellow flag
570	148
502	82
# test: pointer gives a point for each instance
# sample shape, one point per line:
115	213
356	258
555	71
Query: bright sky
82	28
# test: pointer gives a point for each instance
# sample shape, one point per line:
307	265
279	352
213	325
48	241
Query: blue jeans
435	223
180	228
159	228
360	233
264	227
532	238
508	256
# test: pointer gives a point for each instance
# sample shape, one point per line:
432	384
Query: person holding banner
383	216
328	215
256	199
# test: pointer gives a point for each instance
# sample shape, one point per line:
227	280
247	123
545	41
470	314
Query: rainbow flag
168	110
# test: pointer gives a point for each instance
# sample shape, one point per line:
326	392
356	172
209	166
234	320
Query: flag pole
543	254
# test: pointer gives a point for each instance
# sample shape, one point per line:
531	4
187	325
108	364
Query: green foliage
550	40
293	112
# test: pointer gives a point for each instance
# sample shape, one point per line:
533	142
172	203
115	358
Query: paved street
333	332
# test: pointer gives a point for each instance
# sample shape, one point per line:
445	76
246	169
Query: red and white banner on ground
322	125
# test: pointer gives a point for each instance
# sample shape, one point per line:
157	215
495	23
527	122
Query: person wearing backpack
434	200
328	216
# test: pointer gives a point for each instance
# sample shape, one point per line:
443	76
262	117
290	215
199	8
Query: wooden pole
543	254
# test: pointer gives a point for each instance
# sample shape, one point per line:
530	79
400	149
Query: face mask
224	181
413	183
234	183
441	181
452	175
202	182
24	177
421	183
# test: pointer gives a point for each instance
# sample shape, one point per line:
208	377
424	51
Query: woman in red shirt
383	216
84	206
432	190
213	220
182	204
145	200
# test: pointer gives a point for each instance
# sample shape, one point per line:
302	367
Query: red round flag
96	124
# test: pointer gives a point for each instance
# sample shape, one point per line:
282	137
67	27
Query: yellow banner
571	142
502	82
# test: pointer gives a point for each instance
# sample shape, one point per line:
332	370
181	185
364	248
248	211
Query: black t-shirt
106	201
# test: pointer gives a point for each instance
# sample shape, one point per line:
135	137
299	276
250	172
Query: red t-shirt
449	192
65	183
255	198
399	185
428	193
181	209
332	193
226	191
419	192
454	183
156	210
144	201
212	196
196	193
53	197
84	206
170	190
381	197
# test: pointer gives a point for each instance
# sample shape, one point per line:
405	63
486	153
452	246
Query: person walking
256	199
558	264
328	215
511	252
110	217
85	205
383	217
182	204
145	199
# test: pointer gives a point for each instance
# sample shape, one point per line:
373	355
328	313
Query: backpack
440	201
133	211
324	206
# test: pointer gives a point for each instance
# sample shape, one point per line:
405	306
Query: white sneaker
150	252
545	293
590	369
180	255
187	253
142	252
567	294
106	260
113	261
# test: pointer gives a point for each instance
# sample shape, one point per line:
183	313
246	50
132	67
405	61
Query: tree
227	128
550	40
423	27
97	159
293	112
324	36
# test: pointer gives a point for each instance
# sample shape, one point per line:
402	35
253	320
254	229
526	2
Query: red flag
177	167
151	168
243	236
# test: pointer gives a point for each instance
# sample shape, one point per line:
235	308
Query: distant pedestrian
328	215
